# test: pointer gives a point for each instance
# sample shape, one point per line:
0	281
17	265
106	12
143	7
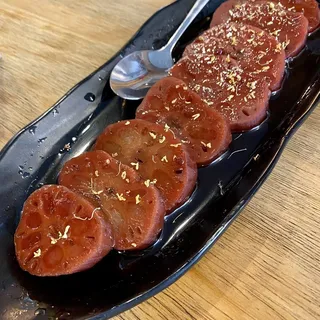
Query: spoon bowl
132	77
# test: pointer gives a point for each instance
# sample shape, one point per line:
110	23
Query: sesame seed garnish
135	164
37	253
164	159
61	236
196	116
147	183
96	173
208	145
124	175
162	139
65	234
175	145
278	47
138	199
166	128
120	197
275	33
92	189
174	100
127	123
153	135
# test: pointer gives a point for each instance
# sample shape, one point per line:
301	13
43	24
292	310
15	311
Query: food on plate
240	97
60	233
204	132
134	210
255	50
289	28
309	8
156	154
140	170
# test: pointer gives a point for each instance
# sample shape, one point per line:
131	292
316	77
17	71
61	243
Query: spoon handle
195	10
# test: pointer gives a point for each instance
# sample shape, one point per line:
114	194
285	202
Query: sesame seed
120	197
135	164
208	145
164	159
166	128
175	145
37	253
138	199
147	183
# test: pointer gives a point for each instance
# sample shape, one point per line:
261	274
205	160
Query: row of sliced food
117	195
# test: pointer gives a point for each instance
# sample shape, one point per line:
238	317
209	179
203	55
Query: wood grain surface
267	265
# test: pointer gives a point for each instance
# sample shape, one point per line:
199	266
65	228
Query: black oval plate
35	156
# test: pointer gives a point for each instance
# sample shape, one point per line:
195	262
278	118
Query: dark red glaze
289	28
240	97
134	210
205	132
60	233
255	50
309	8
156	154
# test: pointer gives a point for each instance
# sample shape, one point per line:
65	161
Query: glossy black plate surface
35	156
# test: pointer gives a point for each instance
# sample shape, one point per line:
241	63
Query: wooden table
266	266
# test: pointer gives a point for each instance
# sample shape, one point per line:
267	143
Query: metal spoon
132	77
